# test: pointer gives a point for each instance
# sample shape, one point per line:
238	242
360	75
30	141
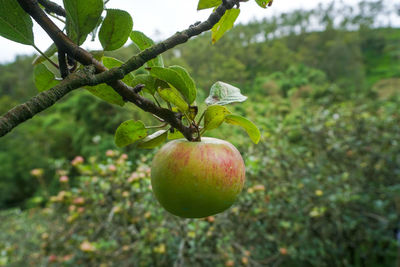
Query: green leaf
97	54
173	96
15	23
148	81
161	84
222	94
204	4
51	67
263	3
129	132
214	116
154	139
251	128
72	34
192	113
49	53
143	42
186	78
115	30
94	32
224	24
83	17
175	135
175	79
110	62
106	92
44	79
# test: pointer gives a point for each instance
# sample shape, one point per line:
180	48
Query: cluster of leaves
214	115
320	192
354	60
333	179
19	225
289	82
82	19
229	18
172	84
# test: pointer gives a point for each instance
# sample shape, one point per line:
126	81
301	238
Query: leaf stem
198	133
155	99
201	117
46	57
157	126
158	118
57	18
202	131
169	105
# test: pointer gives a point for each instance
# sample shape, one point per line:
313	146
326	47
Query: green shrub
321	191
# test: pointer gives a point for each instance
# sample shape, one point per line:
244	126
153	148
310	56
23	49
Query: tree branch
178	38
52	7
43	100
62	62
26	111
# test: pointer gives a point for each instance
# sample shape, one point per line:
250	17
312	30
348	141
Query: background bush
321	190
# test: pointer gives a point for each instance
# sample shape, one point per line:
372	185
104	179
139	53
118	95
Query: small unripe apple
197	179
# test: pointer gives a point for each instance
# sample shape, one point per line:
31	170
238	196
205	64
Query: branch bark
112	77
52	7
43	100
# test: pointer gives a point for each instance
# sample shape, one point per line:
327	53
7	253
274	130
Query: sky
161	18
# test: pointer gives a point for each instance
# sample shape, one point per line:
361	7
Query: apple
197	179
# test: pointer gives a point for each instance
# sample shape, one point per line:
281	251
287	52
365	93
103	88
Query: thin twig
57	18
180	259
201	117
157	126
42	101
52	7
157	118
63	64
155	99
46	57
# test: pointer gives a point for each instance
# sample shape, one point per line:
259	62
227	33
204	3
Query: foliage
73	130
276	64
297	79
176	87
322	185
347	56
16	25
172	84
318	193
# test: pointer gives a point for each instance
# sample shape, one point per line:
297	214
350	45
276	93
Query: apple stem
198	138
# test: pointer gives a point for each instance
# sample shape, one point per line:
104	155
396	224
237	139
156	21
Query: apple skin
197	179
